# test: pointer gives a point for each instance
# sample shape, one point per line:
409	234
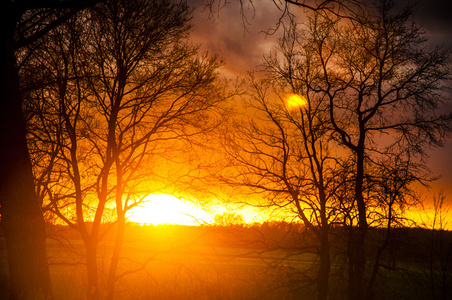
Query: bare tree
22	23
127	93
383	88
378	93
393	197
228	219
283	153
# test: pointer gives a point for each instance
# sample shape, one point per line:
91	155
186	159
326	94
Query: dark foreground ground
179	262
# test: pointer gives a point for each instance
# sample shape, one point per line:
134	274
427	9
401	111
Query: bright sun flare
294	100
167	209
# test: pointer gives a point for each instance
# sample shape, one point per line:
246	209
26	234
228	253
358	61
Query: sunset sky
242	49
148	156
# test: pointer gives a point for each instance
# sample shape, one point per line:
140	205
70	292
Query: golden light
166	209
294	101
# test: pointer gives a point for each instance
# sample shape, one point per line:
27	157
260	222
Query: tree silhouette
383	87
377	93
22	23
125	92
228	219
283	152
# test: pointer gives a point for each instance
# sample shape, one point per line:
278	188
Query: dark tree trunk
357	255
357	263
115	258
92	291
22	218
324	268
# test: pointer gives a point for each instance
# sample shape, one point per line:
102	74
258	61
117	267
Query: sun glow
294	101
166	209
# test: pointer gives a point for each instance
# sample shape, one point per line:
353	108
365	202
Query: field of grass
179	262
173	262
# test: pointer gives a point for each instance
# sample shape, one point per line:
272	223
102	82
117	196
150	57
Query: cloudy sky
241	43
243	49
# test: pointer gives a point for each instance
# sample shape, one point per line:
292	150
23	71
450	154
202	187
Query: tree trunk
115	258
357	263
22	219
92	291
357	255
324	269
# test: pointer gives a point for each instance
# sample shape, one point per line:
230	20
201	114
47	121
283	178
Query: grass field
179	262
172	262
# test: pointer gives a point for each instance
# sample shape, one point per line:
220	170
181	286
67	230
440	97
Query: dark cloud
243	43
434	16
240	42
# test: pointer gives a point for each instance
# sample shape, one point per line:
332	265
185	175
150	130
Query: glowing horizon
166	209
159	209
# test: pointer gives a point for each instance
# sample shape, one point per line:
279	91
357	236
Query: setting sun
294	100
166	209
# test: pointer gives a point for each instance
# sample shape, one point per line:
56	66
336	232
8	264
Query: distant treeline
408	245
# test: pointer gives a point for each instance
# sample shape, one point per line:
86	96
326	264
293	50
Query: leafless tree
393	193
374	94
126	93
284	154
23	22
384	88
